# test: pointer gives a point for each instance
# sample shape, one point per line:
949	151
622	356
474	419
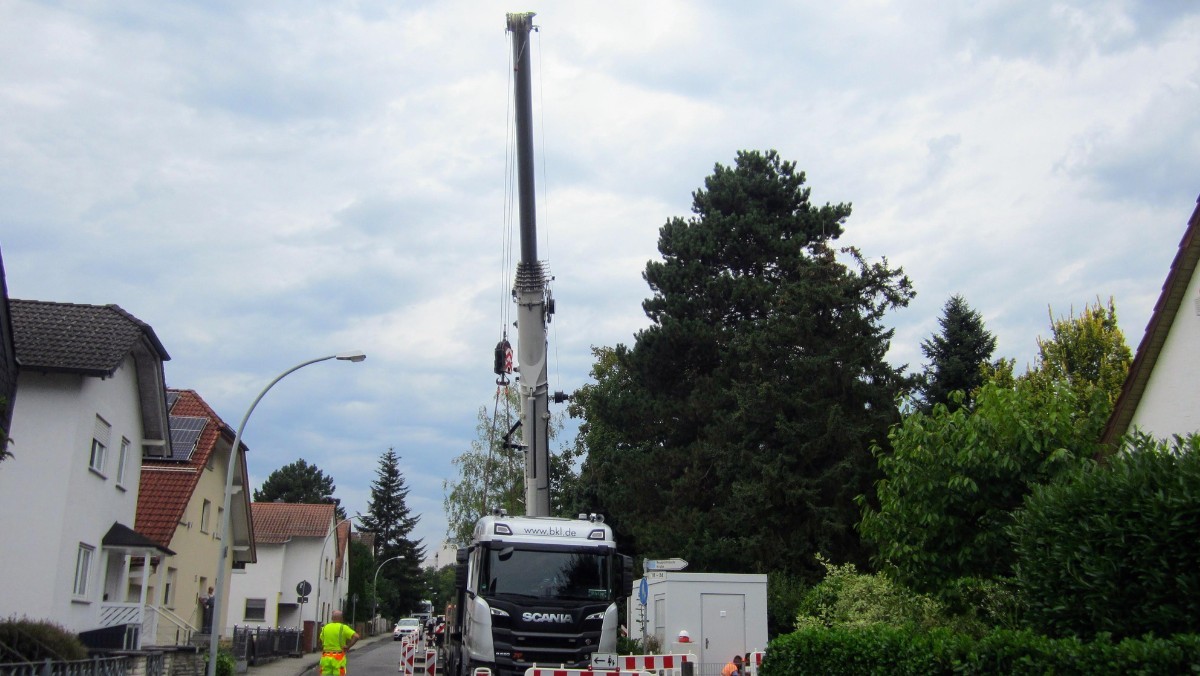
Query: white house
90	403
296	545
1160	396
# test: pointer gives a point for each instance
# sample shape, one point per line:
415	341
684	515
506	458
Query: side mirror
461	569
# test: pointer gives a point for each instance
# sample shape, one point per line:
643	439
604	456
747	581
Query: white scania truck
537	590
533	589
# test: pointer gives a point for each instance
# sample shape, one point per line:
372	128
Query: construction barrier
535	670
430	662
408	656
673	663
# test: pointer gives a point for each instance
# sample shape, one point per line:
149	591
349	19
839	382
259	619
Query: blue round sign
643	592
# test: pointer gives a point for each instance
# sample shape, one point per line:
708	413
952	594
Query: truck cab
538	590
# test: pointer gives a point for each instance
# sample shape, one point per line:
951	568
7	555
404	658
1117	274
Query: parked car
409	626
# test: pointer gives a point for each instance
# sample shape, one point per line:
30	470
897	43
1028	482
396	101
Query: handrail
179	623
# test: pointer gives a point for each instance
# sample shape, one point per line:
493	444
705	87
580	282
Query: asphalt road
375	658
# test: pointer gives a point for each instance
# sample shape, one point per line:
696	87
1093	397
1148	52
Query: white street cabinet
722	614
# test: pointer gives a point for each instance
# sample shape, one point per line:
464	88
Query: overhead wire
506	265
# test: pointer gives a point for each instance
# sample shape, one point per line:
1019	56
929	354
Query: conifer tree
392	521
736	431
957	355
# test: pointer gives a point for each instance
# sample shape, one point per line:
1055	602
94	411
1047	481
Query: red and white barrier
545	671
655	662
408	656
430	662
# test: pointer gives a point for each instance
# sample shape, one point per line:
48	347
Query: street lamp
375	588
219	595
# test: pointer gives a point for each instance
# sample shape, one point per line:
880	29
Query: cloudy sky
268	182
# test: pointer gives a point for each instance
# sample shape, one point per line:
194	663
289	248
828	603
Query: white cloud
267	183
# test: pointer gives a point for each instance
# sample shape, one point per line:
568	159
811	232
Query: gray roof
69	337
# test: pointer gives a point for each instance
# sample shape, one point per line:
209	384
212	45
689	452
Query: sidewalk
294	666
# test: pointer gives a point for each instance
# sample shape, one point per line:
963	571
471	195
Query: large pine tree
392	522
736	431
956	355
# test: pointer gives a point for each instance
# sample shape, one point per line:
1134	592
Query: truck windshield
546	575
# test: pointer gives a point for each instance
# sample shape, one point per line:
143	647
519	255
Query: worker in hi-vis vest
336	639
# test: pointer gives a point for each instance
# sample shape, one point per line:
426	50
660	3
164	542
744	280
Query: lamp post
375	583
321	574
219	595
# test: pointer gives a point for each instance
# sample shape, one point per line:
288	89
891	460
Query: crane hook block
504	358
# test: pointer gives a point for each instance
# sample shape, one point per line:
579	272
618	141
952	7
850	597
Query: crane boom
534	304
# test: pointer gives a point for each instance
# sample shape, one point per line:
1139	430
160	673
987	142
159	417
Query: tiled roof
276	522
1169	301
364	537
89	339
167	486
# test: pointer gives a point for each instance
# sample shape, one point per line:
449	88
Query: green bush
225	662
847	598
882	649
26	640
982	605
1112	547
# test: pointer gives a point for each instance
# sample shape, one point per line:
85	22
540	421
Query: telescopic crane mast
534	302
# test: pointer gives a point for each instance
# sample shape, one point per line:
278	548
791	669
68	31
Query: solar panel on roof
185	432
172	397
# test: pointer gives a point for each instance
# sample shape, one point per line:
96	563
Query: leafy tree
954	477
736	431
955	356
300	482
1088	353
439	582
492	475
392	522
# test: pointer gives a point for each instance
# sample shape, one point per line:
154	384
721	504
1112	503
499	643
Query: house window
256	610
169	591
83	567
205	513
220	523
121	461
100	438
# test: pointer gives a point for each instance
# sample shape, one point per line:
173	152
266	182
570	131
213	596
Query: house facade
180	507
1160	396
296	544
90	404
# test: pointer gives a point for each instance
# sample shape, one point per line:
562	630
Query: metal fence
257	645
106	666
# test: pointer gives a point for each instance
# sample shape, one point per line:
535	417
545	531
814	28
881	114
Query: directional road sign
303	588
665	564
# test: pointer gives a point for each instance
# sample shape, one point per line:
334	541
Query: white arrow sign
664	564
